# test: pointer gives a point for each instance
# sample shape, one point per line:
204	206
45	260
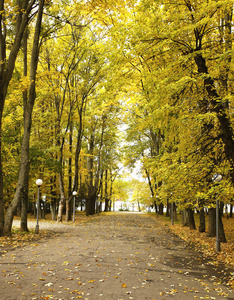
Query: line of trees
180	55
72	72
59	112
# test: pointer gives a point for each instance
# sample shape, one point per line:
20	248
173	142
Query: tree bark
160	211
90	204
168	209
62	198
212	223
106	191
81	111
222	237
221	208
53	198
184	216
68	202
202	217
191	221
24	200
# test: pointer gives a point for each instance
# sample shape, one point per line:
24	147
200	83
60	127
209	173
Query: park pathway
118	256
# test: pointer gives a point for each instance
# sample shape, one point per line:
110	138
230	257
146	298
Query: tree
22	186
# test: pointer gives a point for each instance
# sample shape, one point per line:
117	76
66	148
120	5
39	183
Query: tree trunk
168	209
106	192
24	211
139	206
160	211
202	226
191	221
90	205
231	209
212	222
222	237
53	198
68	202
68	210
184	215
175	212
81	111
62	198
221	208
24	200
53	211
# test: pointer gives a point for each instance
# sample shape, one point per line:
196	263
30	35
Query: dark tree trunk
160	211
69	210
155	206
191	221
81	111
168	209
68	202
202	217
221	208
90	205
231	210
175	212
106	192
53	198
212	223
24	200
222	236
24	211
139	206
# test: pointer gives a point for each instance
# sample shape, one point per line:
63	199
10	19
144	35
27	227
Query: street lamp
39	182
216	179
74	193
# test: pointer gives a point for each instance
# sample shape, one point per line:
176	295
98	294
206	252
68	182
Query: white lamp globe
39	182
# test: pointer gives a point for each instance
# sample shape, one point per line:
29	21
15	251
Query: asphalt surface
119	256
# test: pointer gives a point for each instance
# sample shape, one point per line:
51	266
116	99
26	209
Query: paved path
123	256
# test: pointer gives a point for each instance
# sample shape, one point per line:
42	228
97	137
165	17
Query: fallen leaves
201	242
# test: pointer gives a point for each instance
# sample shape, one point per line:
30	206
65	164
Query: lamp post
39	182
216	179
74	193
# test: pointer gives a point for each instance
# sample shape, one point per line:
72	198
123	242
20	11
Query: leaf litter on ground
200	242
